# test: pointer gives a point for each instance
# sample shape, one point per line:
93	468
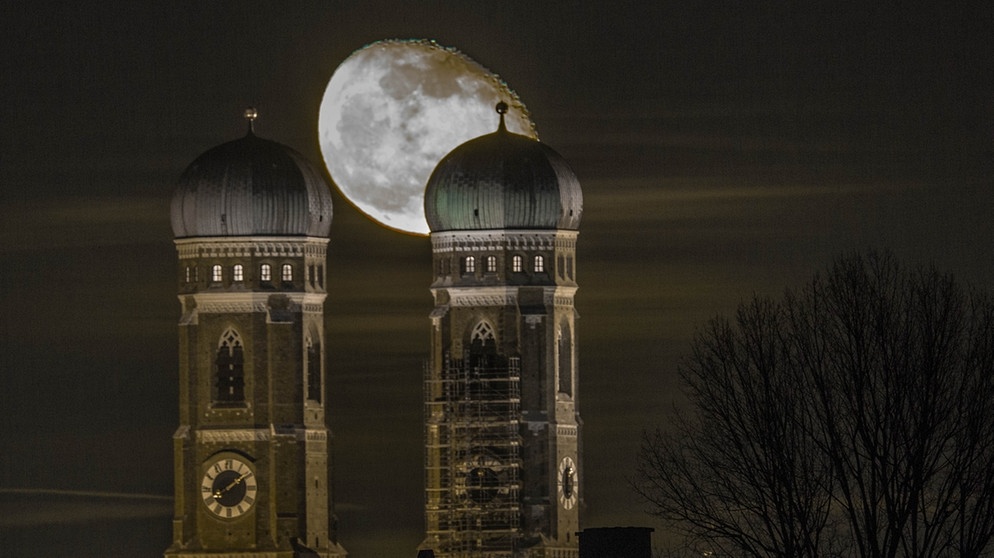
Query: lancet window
313	367
229	381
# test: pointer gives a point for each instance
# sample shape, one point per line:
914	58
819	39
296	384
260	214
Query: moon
392	110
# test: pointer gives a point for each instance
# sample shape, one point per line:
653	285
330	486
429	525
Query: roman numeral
249	500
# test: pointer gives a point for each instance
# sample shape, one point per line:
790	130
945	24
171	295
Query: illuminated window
265	272
516	264
287	273
229	382
237	273
216	274
539	264
313	367
491	264
470	265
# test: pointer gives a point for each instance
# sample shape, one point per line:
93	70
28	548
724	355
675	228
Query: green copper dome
251	187
503	181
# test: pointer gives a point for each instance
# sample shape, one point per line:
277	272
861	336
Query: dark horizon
723	152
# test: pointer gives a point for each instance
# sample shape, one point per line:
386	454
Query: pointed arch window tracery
229	380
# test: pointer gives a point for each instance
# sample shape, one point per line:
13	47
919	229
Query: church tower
502	426
251	219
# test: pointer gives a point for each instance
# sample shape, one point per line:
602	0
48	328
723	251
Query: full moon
392	110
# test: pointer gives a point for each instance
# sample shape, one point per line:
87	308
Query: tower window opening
313	367
287	273
310	274
491	264
189	274
216	273
469	265
229	382
564	342
539	264
265	273
238	273
517	264
321	276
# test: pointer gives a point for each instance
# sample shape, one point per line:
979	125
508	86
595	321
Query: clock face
483	479
566	482
228	487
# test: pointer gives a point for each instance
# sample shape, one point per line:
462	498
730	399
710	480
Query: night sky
725	150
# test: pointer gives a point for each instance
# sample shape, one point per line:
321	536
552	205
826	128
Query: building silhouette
251	219
502	427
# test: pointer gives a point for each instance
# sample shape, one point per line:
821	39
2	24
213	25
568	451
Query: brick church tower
502	426
251	219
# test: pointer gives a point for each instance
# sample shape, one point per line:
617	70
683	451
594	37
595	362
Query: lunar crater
392	110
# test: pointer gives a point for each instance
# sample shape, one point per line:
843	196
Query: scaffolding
473	456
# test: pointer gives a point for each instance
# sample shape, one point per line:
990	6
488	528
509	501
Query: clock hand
221	491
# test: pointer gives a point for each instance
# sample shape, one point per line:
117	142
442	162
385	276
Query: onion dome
251	187
503	180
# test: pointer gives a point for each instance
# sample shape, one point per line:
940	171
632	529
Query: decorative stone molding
227	247
250	301
504	296
498	240
234	435
228	436
568	431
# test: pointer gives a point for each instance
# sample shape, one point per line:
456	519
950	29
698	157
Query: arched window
469	265
287	273
229	382
564	345
216	273
539	264
265	273
491	264
237	273
313	367
517	264
483	346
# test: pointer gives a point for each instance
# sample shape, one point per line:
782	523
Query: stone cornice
250	301
232	435
504	296
247	247
500	240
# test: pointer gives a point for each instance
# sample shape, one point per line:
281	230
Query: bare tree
854	417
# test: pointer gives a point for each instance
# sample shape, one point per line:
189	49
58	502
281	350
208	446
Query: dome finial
251	114
501	110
